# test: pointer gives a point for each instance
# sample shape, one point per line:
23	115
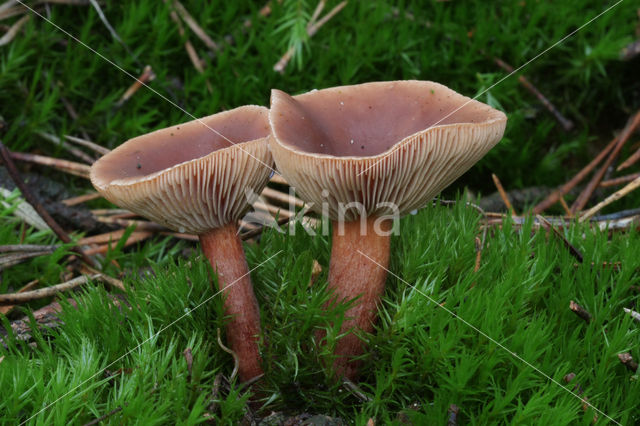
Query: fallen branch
619	180
71	167
13	31
12	259
312	29
583	198
629	161
28	296
572	249
630	51
610	199
635	315
566	124
88	144
72	149
578	390
580	311
355	390
103	418
503	194
81	199
5	309
564	189
147	76
627	360
236	361
29	197
197	29
113	32
452	415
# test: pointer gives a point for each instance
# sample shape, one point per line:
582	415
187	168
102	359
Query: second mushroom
366	155
195	177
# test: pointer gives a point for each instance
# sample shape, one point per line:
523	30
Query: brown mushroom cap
188	177
398	142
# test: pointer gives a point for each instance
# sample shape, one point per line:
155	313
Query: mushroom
191	178
364	155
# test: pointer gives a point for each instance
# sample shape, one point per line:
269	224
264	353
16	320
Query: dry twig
610	199
628	361
13	31
583	198
113	32
28	196
578	389
619	180
580	311
71	167
72	149
503	194
81	199
635	315
88	144
5	309
312	29
452	415
572	249
147	76
566	124
28	296
103	418
236	361
197	29
564	189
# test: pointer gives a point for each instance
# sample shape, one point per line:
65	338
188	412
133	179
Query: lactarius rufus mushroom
191	179
366	154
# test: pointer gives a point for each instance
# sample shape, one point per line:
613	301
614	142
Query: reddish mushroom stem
359	261
223	248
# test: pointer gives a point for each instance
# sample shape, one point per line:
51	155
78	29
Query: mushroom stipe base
223	248
352	274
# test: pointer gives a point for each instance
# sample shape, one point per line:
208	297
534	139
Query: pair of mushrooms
364	154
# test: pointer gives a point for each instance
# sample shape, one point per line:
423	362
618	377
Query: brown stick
224	250
197	29
81	199
312	28
88	144
65	145
629	161
104	417
597	178
147	76
564	189
4	310
282	197
630	51
134	238
610	199
27	296
580	392
566	124
580	311
66	166
503	194
28	196
452	415
635	315
353	274
565	207
619	180
549	227
628	361
13	31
